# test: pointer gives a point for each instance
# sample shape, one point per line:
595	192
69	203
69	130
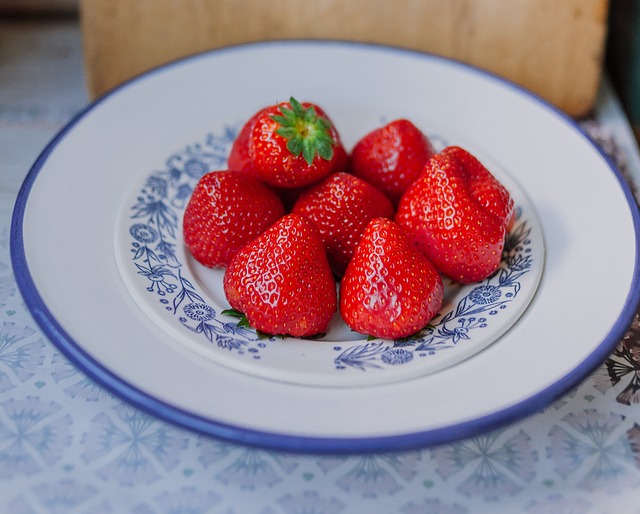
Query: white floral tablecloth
68	446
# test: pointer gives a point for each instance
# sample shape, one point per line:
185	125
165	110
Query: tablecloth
69	446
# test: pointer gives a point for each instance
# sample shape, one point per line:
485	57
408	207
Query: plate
186	299
69	235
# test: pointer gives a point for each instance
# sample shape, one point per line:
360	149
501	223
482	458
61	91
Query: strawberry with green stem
288	145
306	132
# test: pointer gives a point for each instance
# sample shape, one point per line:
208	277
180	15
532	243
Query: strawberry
457	214
488	191
289	145
281	281
390	289
238	159
392	157
226	210
341	206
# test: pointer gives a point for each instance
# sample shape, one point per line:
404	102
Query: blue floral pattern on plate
155	235
177	291
472	312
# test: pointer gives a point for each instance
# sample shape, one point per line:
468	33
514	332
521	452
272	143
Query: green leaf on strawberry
242	319
243	322
306	132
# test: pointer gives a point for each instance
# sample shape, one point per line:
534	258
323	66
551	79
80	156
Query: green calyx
306	132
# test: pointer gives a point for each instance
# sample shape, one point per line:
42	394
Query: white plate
74	205
186	299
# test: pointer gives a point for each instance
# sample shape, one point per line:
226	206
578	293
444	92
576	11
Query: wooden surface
554	48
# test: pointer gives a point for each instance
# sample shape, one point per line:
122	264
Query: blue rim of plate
286	442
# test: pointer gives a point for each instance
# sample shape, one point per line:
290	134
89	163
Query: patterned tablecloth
68	446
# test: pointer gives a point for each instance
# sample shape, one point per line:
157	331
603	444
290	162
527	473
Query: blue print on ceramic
472	312
153	233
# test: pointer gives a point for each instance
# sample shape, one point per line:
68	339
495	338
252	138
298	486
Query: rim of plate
290	442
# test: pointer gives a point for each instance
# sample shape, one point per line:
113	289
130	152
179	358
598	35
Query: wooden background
554	48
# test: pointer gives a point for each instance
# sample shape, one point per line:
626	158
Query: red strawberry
226	210
390	289
488	191
281	280
457	214
392	157
341	206
239	155
289	145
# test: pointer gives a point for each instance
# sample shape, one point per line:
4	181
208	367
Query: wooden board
553	48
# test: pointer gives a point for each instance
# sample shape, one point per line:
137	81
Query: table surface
68	446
